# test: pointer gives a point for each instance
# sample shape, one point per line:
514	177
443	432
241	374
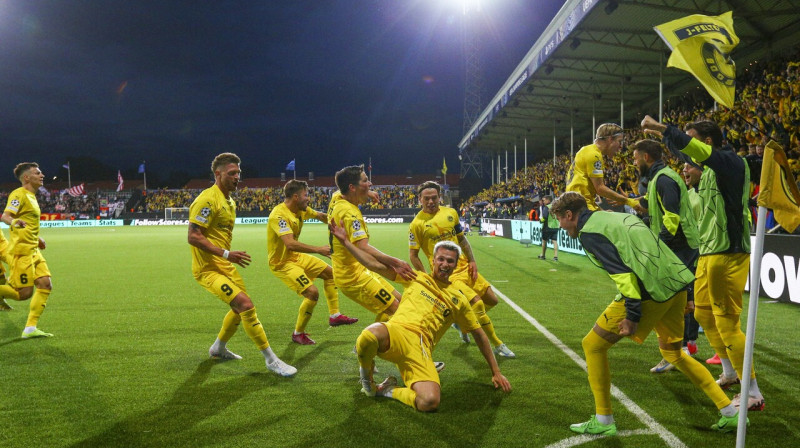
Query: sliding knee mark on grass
652	425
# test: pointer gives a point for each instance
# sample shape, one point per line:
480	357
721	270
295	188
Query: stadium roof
596	53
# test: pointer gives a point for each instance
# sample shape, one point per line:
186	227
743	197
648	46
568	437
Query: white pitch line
586	438
643	416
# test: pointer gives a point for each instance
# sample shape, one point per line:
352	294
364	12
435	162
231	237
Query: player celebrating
435	223
724	227
27	264
352	278
586	173
430	304
289	261
651	281
211	219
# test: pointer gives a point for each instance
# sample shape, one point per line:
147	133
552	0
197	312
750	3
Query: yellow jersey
22	205
346	269
588	163
283	222
216	215
426	230
428	308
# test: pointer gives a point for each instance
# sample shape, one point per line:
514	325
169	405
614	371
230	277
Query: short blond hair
607	130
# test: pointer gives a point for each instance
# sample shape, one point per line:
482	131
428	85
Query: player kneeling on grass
211	219
429	305
652	282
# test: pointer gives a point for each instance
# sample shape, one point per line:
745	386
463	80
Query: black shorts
549	234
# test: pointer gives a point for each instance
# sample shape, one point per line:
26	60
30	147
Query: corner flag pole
750	335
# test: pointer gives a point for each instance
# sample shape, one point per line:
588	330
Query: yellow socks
8	292
405	395
596	350
367	349
699	375
486	323
254	329
331	296
38	302
304	315
229	326
732	336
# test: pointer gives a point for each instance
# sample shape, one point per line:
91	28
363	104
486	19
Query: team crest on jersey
450	218
455	300
15	202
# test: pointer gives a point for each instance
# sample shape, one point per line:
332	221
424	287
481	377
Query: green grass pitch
129	366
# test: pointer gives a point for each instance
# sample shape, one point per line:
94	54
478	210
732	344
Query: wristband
225	254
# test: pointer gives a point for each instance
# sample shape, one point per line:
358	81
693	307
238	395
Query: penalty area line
658	429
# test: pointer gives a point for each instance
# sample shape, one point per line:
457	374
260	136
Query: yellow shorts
720	282
370	290
665	317
224	286
25	269
480	285
299	275
410	354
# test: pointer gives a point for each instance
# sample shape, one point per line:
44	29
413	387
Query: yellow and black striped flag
701	45
778	188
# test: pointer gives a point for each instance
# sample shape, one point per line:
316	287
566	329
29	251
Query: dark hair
224	159
571	200
293	187
23	168
707	129
429	184
650	147
349	175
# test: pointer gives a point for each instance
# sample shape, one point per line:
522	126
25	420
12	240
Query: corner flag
701	45
778	188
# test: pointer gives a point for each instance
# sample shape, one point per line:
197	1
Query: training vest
713	221
658	269
658	214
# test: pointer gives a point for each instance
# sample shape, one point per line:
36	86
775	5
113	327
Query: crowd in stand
768	98
88	205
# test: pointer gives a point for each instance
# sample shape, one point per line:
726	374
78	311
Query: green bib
686	219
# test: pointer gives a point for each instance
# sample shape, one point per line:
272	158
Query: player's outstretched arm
296	246
198	240
361	255
499	381
399	266
413	256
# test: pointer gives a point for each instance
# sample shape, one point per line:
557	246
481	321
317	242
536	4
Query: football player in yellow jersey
586	173
211	219
5	289
28	268
429	306
435	223
354	280
289	261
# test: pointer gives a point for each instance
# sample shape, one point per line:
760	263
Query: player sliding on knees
435	223
211	219
429	305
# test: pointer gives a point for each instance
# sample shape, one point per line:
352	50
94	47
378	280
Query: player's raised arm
363	257
296	246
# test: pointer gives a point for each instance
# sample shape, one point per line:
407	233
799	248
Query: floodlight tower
473	82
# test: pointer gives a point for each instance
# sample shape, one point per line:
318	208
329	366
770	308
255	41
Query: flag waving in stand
778	188
291	166
120	180
701	45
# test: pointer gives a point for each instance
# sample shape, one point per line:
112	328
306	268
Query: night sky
330	83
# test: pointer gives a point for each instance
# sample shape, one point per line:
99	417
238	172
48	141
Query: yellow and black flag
701	45
778	188
444	166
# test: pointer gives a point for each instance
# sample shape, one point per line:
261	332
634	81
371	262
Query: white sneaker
439	366
368	387
662	366
504	351
222	354
281	368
